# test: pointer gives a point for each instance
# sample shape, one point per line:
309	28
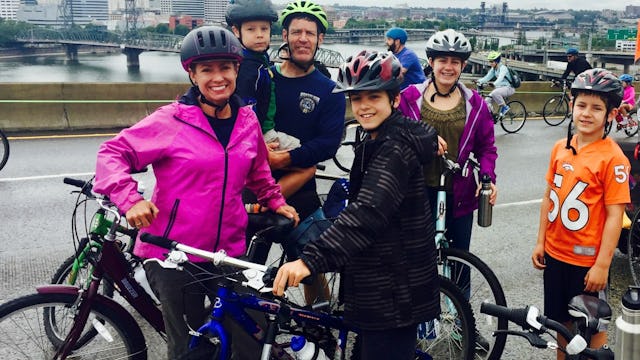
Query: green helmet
308	8
494	56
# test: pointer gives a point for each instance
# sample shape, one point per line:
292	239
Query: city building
9	8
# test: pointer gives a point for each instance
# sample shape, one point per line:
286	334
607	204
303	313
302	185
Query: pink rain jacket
190	165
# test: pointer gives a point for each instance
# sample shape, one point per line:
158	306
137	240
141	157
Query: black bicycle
4	149
556	108
511	121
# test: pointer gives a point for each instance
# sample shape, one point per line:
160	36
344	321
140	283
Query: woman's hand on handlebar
142	214
442	146
289	212
290	274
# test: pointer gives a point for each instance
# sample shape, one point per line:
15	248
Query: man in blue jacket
412	70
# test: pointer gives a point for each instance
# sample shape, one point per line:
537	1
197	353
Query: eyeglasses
570	56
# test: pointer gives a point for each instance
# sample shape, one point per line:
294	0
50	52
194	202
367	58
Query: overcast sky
475	4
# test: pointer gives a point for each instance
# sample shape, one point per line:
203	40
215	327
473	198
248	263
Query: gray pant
182	301
498	95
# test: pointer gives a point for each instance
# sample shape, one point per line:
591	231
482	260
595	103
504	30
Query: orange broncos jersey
581	186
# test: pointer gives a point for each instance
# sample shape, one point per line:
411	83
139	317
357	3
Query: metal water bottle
485	208
628	326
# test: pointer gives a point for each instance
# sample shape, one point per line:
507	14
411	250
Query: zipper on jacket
224	191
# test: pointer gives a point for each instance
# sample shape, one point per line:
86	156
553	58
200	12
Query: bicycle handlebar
534	324
85	186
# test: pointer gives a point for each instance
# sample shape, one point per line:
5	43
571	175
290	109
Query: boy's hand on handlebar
142	214
290	274
289	212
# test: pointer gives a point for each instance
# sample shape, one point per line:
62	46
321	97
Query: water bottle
485	208
628	326
141	277
306	350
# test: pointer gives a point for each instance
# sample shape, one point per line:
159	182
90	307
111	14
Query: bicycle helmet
303	7
599	81
397	33
369	70
494	56
626	78
240	11
209	42
572	51
448	43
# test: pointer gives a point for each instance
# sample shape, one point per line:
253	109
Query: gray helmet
599	81
369	70
209	42
240	11
448	43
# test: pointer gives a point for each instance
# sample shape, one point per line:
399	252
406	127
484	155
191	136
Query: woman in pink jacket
204	149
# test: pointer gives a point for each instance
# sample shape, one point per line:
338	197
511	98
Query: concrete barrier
84	106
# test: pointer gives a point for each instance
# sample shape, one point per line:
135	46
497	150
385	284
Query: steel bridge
131	43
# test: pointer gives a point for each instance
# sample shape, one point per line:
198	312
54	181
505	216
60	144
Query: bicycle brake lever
533	338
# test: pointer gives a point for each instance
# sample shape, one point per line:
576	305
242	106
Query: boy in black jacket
384	238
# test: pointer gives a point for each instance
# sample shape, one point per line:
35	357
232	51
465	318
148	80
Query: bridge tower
505	10
65	15
131	12
483	15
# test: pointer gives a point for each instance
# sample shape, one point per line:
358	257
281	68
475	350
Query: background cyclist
396	38
500	76
628	99
576	64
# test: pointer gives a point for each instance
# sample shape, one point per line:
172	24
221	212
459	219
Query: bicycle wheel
555	110
632	126
479	284
344	156
23	336
63	274
633	247
451	335
4	150
514	119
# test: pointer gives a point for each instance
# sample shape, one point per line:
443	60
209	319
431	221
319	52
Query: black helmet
448	43
599	81
240	11
369	70
209	42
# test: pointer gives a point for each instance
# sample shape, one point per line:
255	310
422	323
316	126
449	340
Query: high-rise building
212	11
82	12
8	9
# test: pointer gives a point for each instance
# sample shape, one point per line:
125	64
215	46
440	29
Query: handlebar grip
75	182
517	316
158	241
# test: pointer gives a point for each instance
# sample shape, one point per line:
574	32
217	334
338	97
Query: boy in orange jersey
582	209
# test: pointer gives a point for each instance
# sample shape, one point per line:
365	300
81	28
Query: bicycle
628	123
513	120
456	319
587	312
4	149
556	108
83	314
473	276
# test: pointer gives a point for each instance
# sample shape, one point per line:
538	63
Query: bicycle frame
229	303
110	263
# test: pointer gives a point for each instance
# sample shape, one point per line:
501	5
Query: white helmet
448	43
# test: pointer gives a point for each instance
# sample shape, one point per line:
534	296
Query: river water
154	66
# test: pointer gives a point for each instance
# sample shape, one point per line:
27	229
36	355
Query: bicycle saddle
590	308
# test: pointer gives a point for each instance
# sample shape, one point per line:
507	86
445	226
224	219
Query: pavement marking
519	203
42	177
69	136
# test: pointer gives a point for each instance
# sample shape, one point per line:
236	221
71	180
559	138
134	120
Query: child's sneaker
504	109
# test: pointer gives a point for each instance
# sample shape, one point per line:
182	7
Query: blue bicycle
450	338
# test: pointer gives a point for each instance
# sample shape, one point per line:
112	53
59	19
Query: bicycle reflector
636	150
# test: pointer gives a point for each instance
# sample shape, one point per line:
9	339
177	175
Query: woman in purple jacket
204	149
464	125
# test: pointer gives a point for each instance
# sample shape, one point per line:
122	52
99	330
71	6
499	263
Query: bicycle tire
555	110
633	247
632	127
23	336
455	328
486	287
62	275
515	118
4	150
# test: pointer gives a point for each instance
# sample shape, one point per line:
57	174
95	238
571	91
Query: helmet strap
217	108
569	137
435	86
